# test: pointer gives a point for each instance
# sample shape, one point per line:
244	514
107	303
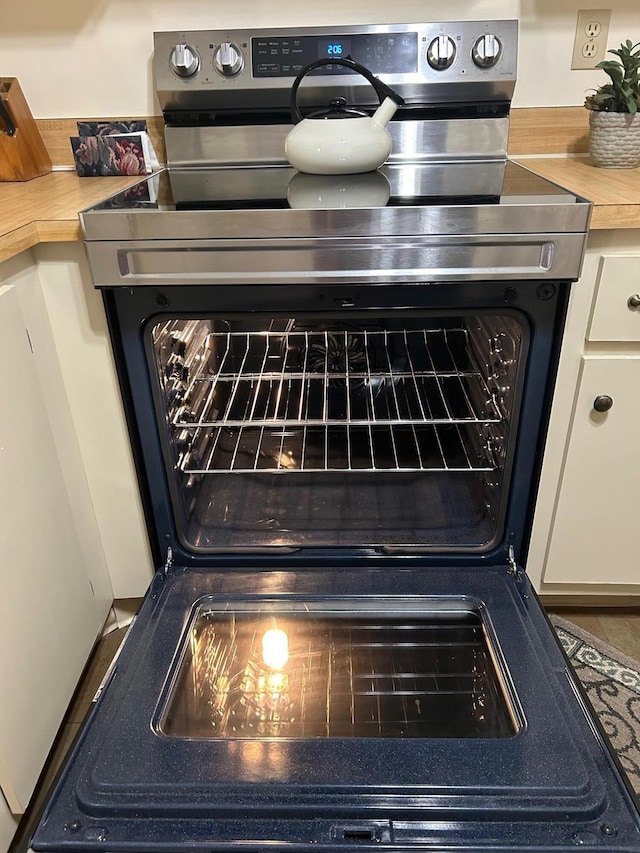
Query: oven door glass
381	431
336	669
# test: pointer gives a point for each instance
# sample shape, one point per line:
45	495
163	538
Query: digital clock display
382	53
334	48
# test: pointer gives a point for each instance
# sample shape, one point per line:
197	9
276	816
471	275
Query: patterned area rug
612	682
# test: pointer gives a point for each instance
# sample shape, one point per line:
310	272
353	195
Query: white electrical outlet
590	44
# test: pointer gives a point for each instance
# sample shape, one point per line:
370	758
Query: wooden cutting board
23	154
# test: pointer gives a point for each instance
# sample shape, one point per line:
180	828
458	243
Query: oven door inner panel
337	670
383	431
162	757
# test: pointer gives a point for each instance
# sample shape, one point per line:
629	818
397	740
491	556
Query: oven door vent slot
354	834
362	833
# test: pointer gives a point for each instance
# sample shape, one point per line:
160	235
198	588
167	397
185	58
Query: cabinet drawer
614	318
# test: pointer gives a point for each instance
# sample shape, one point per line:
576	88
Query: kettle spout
385	112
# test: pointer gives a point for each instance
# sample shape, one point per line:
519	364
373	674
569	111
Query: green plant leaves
622	95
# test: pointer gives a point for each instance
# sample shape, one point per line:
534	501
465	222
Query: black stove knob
441	53
184	61
486	51
228	59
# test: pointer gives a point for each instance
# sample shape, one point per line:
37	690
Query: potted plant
614	117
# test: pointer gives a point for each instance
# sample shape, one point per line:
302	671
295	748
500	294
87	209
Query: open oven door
320	709
344	651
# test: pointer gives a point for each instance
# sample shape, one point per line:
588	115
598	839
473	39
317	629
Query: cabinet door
48	617
77	321
594	537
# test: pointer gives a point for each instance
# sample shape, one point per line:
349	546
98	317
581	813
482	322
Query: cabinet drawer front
597	508
615	318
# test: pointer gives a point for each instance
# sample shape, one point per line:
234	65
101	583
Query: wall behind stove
93	58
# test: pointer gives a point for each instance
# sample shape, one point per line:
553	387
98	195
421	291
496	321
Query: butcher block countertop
615	193
46	209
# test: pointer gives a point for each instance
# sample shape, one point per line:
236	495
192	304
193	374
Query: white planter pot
614	141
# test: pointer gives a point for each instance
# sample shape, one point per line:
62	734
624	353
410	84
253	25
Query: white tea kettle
337	140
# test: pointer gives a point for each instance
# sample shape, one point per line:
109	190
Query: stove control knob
228	59
184	61
441	53
486	51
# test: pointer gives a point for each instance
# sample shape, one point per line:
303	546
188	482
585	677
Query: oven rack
333	401
403	448
331	378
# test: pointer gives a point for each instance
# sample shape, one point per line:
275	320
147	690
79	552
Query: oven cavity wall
373	431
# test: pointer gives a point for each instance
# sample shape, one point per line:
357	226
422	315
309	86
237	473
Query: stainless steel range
337	390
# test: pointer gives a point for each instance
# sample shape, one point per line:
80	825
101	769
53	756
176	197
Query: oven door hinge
168	563
513	569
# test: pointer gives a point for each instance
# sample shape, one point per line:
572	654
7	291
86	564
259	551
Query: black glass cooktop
397	185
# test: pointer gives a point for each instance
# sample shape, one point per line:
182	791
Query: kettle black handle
5	117
382	90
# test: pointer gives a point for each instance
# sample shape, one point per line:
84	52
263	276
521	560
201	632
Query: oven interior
327	671
380	431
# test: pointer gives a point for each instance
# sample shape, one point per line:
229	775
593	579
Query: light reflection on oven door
318	675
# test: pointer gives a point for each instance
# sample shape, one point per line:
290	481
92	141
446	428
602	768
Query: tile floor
620	627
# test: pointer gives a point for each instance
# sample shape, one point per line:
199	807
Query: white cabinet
584	540
55	589
595	537
76	316
8	824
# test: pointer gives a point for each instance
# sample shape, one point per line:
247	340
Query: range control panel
419	60
382	53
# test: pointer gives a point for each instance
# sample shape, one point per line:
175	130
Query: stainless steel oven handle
383	260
